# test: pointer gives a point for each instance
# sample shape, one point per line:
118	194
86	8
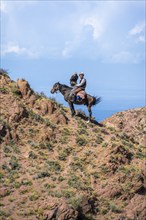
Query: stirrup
78	98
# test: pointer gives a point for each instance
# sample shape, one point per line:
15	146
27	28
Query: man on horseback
78	87
87	99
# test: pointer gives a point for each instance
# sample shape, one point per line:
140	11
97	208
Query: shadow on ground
85	118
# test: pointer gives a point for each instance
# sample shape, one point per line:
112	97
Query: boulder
32	100
110	191
87	206
4	80
47	134
65	212
61	212
136	208
47	107
17	112
59	118
24	87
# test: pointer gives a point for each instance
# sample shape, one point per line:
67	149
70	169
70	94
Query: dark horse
89	101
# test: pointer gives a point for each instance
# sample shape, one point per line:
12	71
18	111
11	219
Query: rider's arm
81	83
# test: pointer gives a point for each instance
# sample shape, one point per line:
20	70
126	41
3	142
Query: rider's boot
78	98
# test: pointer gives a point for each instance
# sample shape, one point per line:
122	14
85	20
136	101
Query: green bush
32	155
81	124
7	149
55	194
49	123
16	185
62	156
3	90
75	165
4	72
26	182
33	197
14	163
49	186
43	174
114	208
105	144
65	132
99	140
49	146
16	91
35	116
4	214
41	95
81	140
1	175
96	175
67	193
54	166
64	153
73	181
83	131
61	178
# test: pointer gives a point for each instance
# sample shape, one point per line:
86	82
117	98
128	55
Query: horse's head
55	87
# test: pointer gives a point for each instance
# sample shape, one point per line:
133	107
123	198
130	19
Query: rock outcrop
25	89
56	167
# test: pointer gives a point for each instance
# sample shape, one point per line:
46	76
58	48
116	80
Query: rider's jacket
82	83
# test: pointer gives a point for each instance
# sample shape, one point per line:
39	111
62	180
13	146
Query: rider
79	87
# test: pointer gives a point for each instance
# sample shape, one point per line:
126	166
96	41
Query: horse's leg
90	113
72	108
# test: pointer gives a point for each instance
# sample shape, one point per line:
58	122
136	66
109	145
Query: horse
65	90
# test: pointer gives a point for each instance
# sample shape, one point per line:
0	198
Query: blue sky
46	41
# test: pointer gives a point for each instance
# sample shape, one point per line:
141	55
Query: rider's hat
81	73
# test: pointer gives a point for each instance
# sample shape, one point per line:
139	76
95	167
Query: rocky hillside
54	167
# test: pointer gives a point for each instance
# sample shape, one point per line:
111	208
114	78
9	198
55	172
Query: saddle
82	94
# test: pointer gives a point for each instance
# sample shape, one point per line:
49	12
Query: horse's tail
96	100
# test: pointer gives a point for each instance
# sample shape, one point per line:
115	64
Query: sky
47	41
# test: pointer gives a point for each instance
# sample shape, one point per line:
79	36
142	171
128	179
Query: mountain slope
57	167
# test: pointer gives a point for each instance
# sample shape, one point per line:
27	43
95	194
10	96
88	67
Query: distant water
100	115
97	113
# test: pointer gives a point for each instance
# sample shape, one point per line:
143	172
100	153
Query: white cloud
95	30
137	33
8	7
13	48
88	30
3	7
137	29
92	26
141	39
67	49
97	26
124	57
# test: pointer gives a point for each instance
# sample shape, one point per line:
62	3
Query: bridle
55	88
